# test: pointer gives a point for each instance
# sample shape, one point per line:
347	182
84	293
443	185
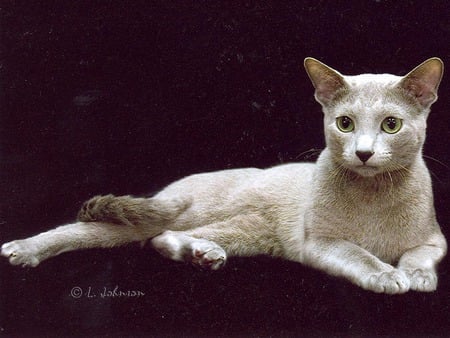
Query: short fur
363	211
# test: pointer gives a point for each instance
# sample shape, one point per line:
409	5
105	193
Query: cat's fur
364	211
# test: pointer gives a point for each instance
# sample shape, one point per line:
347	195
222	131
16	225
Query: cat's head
375	123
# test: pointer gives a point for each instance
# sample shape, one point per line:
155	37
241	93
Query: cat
364	211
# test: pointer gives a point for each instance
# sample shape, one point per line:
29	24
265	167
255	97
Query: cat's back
215	196
282	185
233	182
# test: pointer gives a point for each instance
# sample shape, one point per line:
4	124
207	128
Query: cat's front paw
21	252
391	282
422	280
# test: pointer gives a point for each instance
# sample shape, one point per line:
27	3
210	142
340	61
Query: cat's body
364	207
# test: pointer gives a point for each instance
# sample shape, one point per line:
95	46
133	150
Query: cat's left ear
423	81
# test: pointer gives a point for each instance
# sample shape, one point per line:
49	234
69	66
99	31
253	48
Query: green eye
391	125
345	124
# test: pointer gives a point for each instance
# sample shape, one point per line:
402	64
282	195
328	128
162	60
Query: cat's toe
20	252
422	280
390	282
208	257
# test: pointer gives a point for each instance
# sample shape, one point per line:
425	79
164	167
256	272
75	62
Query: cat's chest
383	225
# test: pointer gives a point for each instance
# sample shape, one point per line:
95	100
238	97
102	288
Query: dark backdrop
125	97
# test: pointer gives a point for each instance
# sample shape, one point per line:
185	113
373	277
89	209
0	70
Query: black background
125	97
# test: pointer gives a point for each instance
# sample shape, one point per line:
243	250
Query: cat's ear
327	81
423	81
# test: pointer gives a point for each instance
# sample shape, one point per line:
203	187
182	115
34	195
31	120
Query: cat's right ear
327	81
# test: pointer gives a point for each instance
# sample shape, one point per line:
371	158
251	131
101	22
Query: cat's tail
131	211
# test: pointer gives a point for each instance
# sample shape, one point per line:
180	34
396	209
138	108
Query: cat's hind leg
209	246
104	221
179	246
80	235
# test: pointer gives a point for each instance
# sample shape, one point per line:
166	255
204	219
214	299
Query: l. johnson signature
89	292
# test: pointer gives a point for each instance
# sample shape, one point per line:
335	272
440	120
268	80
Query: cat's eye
391	125
345	124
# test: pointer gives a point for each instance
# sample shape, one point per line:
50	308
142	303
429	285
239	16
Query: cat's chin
366	171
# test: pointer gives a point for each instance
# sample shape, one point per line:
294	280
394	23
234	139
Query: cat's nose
364	155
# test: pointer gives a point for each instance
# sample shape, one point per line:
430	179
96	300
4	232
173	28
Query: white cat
364	211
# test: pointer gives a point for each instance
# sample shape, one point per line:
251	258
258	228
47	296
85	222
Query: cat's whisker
391	193
339	175
306	155
389	185
345	175
436	160
399	169
435	176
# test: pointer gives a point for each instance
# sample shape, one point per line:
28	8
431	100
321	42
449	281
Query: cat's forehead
372	91
370	95
368	107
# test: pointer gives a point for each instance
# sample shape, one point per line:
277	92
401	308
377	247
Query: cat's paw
422	280
391	282
181	247
208	255
21	252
